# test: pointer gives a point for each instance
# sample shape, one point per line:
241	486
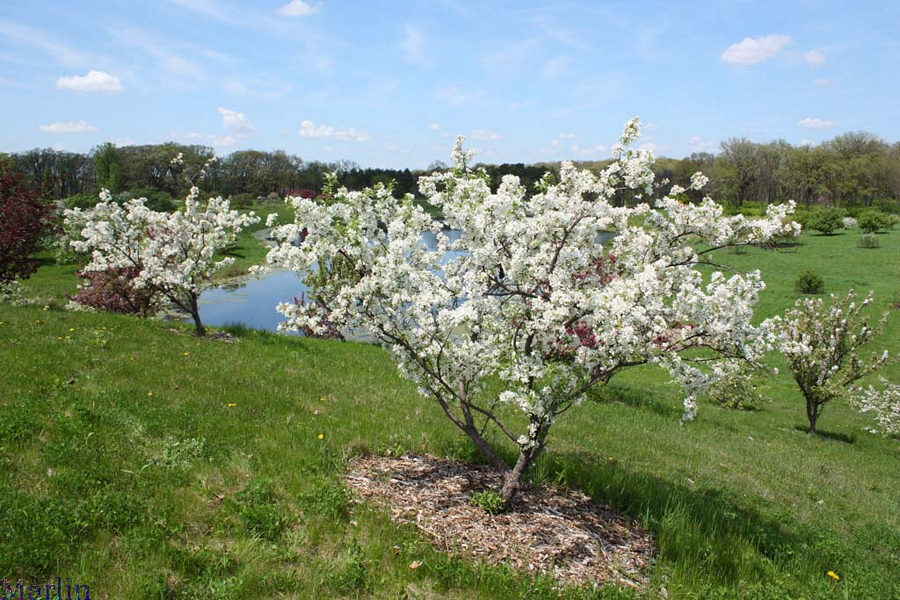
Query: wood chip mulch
551	531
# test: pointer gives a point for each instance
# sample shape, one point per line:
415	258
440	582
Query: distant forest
851	171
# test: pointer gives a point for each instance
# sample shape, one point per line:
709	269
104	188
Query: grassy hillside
150	464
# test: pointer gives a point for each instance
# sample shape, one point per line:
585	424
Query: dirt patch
548	530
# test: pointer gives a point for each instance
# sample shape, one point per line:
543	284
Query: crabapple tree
527	294
172	254
822	345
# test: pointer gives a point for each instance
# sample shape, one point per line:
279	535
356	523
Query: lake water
252	302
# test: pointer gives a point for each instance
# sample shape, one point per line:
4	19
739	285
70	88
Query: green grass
179	495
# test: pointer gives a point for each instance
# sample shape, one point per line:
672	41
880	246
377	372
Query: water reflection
252	302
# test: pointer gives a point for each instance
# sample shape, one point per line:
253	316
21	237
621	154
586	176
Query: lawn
148	463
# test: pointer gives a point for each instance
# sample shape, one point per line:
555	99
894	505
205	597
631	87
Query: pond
252	302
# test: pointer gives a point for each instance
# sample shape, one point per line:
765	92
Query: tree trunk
812	413
195	314
512	479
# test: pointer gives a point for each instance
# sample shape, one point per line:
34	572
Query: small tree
825	220
25	221
872	221
822	345
527	294
173	254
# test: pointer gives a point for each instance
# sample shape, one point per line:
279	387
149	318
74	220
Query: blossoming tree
529	295
174	254
822	344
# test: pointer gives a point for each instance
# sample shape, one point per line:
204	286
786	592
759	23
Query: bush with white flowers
527	294
822	344
883	403
174	254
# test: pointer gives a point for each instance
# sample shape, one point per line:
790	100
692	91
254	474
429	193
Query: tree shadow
634	397
700	526
836	436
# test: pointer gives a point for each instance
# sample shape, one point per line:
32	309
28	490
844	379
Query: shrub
868	240
810	282
25	222
736	389
242	201
849	223
113	291
871	221
82	201
887	205
158	200
824	220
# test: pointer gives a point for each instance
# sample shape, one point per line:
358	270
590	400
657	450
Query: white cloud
454	95
42	41
344	134
236	123
298	8
750	51
555	67
814	123
69	127
257	90
94	81
593	151
698	144
434	127
814	58
187	135
223	142
160	50
822	82
485	135
415	47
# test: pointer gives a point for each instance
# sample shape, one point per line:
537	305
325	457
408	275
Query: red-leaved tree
24	222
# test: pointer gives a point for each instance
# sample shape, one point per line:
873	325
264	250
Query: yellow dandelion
834	575
46	307
59	338
71	329
187	353
321	436
231	404
149	394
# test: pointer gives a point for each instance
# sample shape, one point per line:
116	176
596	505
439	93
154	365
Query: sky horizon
392	86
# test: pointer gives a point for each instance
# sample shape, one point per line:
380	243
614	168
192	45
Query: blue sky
392	83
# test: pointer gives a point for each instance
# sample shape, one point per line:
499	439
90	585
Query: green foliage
868	240
742	506
872	221
737	390
82	201
809	282
242	201
824	220
257	508
488	500
106	167
159	200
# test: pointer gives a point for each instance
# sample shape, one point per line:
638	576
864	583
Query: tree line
852	170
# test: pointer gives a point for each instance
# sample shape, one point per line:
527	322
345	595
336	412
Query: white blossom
530	297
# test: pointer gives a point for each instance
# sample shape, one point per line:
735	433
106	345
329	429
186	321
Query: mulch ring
548	530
